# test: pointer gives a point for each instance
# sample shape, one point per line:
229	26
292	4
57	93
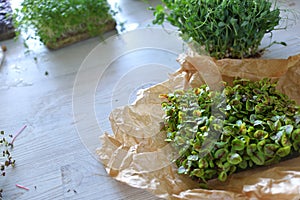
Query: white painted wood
50	157
1	56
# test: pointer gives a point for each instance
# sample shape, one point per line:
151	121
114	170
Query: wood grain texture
50	157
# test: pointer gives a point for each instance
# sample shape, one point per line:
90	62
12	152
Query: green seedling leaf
234	158
258	158
283	151
210	173
198	173
285	140
237	144
260	134
232	29
243	164
260	145
193	157
221	154
222	176
270	149
251	148
202	164
244	139
181	170
296	135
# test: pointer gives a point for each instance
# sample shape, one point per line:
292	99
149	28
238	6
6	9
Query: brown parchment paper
137	155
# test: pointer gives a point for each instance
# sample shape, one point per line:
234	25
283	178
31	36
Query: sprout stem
17	134
22	187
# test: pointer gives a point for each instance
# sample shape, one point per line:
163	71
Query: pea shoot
222	28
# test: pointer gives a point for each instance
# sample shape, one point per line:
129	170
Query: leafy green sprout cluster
261	126
222	28
53	20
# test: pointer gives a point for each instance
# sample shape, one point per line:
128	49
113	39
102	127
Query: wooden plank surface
51	159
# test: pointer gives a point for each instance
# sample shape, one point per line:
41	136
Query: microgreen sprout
52	21
222	28
260	127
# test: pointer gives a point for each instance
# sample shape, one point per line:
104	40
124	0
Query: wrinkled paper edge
136	155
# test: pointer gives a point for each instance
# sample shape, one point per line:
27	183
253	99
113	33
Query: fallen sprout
248	124
22	187
6	160
17	134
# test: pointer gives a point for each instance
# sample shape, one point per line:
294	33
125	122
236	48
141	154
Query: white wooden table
51	158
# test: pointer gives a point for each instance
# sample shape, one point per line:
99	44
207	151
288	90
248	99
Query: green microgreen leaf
222	176
222	28
283	151
258	158
237	144
54	20
232	138
234	158
296	135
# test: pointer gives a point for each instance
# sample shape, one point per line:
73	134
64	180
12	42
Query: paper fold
137	155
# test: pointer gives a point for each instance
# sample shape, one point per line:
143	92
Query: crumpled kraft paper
137	155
